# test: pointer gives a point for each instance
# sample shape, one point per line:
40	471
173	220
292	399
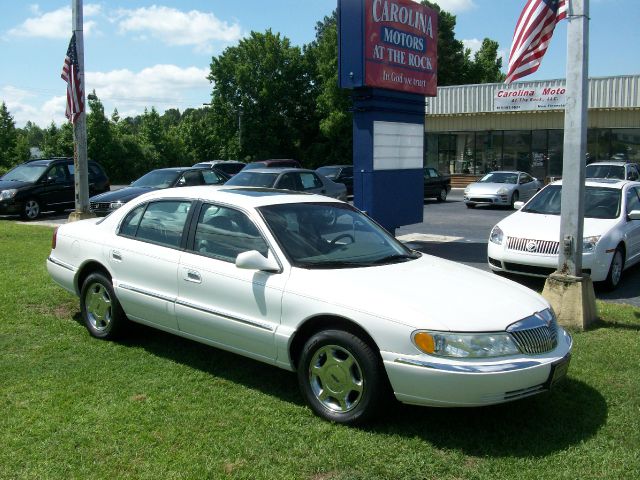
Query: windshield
500	177
328	171
605	171
25	173
157	179
599	202
253	179
332	235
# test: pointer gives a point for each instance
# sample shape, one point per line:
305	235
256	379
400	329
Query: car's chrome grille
544	247
99	205
536	340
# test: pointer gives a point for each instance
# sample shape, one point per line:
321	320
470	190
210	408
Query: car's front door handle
116	255
192	276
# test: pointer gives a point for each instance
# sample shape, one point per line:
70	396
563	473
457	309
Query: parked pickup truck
436	185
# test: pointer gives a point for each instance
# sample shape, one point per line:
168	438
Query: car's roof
47	161
613	163
603	182
177	169
334	166
507	171
217	162
249	197
277	170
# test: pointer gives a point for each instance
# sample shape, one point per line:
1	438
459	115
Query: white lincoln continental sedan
311	285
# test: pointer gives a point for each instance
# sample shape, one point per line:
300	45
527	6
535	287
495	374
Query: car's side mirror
634	215
518	205
254	260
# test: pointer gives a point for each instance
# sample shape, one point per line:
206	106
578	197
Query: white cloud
54	24
175	27
472	44
160	86
454	6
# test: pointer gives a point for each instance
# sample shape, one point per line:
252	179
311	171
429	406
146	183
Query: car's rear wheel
341	377
615	270
442	196
101	312
31	209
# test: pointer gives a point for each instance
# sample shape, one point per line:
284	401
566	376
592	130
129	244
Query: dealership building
474	129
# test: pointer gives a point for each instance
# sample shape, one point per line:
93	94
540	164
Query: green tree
8	138
260	99
487	65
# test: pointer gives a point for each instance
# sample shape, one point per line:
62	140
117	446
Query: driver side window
633	201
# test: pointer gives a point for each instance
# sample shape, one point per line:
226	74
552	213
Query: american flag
532	35
71	75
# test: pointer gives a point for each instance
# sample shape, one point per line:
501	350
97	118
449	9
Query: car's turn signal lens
425	342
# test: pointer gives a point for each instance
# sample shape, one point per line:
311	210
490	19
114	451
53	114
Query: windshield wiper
332	264
393	258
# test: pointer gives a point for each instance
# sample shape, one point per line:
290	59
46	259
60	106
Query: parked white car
527	241
619	170
501	188
313	285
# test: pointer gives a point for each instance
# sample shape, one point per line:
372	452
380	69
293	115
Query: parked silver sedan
298	179
501	188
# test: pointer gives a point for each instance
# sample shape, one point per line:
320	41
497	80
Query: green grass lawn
158	406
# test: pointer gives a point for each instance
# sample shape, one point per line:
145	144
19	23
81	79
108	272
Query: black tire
514	198
101	311
341	377
470	205
31	209
615	270
442	196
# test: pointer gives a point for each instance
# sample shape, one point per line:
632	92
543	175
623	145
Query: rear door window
161	222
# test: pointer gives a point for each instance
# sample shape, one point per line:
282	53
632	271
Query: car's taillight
54	238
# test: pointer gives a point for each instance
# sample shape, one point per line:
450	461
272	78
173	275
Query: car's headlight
466	190
496	236
115	205
7	194
465	345
503	191
589	243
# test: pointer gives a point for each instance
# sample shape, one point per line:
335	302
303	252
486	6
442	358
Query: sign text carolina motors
529	98
400	46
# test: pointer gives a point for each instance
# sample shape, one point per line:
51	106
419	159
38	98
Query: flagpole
81	178
568	289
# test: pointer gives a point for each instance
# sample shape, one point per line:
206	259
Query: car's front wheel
442	196
514	198
31	209
341	377
101	312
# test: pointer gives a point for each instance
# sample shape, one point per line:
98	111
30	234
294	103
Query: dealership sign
389	44
529	98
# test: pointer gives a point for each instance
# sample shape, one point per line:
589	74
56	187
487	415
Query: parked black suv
45	184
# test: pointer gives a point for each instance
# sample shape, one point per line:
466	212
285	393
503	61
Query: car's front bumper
11	207
502	259
486	199
431	381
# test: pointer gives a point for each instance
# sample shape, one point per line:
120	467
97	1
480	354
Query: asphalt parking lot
452	231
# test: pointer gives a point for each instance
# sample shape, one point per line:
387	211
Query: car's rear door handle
192	276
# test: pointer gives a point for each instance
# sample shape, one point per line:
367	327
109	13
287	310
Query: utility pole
570	291
81	177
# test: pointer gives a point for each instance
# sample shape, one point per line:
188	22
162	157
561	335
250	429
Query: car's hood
123	195
429	293
488	187
536	226
9	184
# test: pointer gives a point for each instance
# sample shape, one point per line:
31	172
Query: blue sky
141	53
